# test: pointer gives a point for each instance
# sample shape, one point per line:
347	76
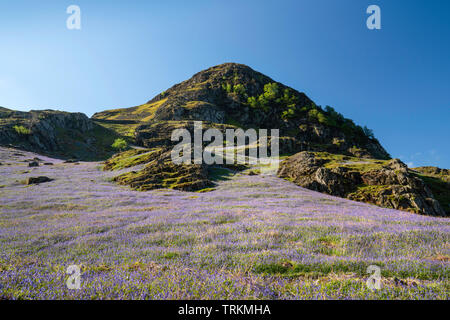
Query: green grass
125	130
219	174
363	190
130	158
171	255
293	269
204	190
352	163
233	122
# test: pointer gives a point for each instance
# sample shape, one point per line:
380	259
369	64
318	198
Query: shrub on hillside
22	130
119	144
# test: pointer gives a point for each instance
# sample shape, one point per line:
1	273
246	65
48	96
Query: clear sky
395	80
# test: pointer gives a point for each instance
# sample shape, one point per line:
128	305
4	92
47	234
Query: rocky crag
161	172
438	180
387	183
57	133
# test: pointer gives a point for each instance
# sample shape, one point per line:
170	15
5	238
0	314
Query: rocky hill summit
234	94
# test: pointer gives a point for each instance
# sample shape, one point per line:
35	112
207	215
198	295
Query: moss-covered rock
387	183
37	180
161	172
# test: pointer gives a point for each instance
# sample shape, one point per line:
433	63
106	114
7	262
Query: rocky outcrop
158	134
56	133
444	174
167	175
33	164
41	127
438	180
37	180
385	183
161	172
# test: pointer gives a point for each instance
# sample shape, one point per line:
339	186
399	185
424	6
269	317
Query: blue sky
395	80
